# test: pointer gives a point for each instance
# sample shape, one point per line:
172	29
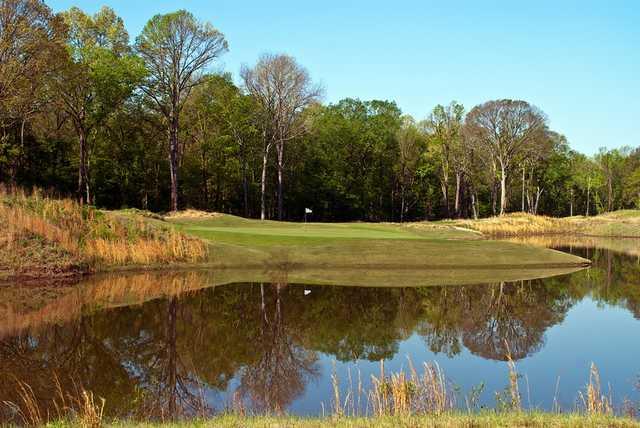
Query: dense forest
144	123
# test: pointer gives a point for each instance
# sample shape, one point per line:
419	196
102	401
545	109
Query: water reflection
170	345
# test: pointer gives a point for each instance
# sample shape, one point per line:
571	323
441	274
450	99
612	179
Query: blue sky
579	61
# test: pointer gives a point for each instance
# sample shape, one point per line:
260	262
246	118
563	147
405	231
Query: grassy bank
45	237
617	224
50	238
239	242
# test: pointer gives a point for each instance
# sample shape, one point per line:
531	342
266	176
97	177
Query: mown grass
43	236
241	242
449	420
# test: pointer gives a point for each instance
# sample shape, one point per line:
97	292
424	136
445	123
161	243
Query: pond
176	343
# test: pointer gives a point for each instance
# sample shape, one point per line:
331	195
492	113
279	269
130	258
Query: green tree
411	144
611	164
176	50
101	74
445	128
31	50
219	123
356	144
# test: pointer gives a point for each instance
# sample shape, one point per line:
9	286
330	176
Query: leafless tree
283	89
507	130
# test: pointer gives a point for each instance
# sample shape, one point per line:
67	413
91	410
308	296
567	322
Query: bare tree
507	129
176	49
283	89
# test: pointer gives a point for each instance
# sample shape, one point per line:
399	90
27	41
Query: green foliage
352	159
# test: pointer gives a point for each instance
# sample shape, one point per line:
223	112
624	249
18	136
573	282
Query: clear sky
579	61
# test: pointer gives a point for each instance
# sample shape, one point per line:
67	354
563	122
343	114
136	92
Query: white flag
308	211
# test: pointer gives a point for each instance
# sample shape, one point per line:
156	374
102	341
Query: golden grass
594	401
629	246
402	393
517	224
192	214
79	408
615	224
92	236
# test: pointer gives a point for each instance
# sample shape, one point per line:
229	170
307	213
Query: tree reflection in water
177	355
283	367
488	318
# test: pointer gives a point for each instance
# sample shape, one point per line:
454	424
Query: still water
158	343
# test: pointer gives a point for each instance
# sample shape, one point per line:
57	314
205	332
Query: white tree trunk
503	190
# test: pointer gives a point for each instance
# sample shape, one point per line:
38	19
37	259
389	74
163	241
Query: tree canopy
159	125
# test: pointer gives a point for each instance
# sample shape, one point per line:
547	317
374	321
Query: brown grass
79	408
517	224
90	236
624	223
410	393
192	214
593	400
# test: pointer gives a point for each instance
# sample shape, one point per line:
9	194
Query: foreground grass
453	420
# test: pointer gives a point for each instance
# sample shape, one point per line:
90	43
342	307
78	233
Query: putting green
238	242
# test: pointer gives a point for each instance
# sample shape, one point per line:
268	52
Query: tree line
86	111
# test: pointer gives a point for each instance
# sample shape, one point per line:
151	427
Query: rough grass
622	224
43	236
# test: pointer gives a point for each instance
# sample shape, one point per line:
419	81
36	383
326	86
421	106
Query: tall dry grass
401	394
93	236
408	393
620	224
519	224
78	407
593	400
